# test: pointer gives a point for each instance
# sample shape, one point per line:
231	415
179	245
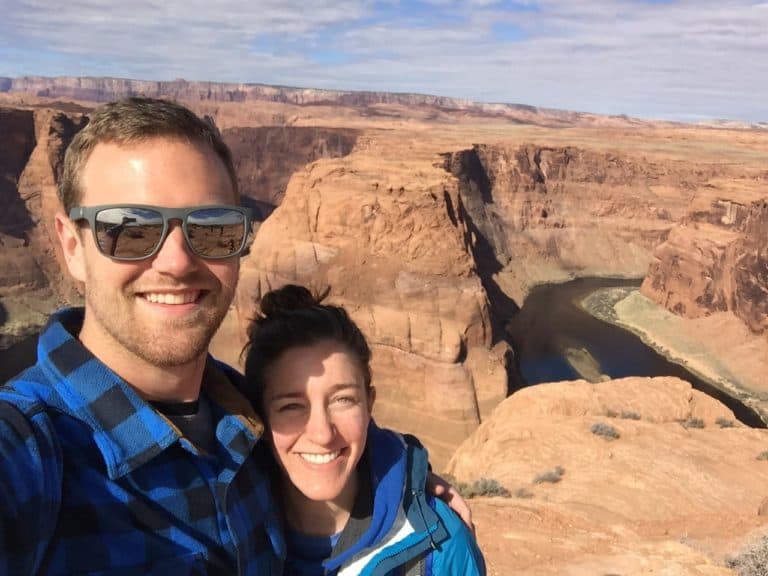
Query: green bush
763	455
630	415
751	562
605	430
724	422
481	487
693	423
552	476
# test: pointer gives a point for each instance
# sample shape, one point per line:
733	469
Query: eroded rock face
32	283
266	157
536	211
677	489
376	229
717	259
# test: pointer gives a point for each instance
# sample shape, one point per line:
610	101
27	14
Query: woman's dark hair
293	317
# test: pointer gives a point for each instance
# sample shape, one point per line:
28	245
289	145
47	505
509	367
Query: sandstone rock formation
265	157
537	209
716	259
375	227
676	492
31	279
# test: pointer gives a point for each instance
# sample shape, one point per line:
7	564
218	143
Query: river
555	339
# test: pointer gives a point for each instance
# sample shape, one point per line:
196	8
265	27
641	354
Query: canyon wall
265	157
716	259
31	279
376	228
552	213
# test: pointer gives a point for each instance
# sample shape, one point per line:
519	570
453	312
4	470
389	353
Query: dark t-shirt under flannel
94	480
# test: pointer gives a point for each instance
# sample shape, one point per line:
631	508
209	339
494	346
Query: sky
686	60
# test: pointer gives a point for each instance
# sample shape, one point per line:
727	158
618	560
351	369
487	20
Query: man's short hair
132	121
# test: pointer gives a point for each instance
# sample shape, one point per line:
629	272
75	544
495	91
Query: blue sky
672	59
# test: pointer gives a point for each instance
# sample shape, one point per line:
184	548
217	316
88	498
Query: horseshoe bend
432	220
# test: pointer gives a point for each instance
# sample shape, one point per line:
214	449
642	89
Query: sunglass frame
89	213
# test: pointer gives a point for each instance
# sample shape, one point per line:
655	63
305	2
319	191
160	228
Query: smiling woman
352	494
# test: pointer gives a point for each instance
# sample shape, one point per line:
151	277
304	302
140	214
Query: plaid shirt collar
128	431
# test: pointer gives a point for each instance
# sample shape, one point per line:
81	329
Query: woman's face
318	411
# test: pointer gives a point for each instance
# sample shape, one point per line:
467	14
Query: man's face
165	309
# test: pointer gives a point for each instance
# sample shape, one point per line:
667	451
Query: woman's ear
71	246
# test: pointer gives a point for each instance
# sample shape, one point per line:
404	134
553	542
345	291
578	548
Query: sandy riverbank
718	348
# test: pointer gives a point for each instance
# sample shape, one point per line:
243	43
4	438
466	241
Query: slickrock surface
665	497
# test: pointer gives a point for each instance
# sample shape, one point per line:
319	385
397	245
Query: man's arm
447	493
30	489
439	487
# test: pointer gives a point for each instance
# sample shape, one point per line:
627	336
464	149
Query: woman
352	494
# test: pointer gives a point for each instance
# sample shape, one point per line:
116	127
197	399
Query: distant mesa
107	89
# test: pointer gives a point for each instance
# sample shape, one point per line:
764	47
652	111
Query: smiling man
126	448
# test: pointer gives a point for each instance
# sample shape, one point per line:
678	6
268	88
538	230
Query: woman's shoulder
459	553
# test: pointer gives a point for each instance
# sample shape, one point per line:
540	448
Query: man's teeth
172	298
320	458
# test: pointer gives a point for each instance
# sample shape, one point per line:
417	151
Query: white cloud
683	58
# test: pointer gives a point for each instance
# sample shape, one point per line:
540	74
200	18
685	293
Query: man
126	448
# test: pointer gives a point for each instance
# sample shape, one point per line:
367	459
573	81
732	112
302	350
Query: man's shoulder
29	392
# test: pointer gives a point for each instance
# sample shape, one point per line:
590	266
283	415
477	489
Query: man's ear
71	245
371	398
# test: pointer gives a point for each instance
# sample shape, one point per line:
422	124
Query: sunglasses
137	231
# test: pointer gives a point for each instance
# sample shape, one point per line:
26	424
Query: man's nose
175	257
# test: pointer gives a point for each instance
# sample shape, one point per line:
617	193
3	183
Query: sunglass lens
128	232
216	232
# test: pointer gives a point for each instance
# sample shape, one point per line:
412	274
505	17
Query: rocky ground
633	476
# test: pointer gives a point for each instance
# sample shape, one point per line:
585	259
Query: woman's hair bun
286	299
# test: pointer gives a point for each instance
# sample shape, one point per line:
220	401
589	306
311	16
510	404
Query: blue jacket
405	526
94	480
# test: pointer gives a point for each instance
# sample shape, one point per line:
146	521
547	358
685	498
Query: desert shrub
611	413
724	422
763	455
523	493
605	430
481	487
630	415
551	476
751	562
693	423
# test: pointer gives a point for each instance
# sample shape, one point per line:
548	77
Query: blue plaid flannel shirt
93	480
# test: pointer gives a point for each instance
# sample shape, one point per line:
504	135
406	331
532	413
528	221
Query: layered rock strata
31	279
377	230
546	213
716	259
372	103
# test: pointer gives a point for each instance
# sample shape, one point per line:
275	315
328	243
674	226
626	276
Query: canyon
431	219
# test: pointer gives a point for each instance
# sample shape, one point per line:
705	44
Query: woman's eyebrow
296	394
